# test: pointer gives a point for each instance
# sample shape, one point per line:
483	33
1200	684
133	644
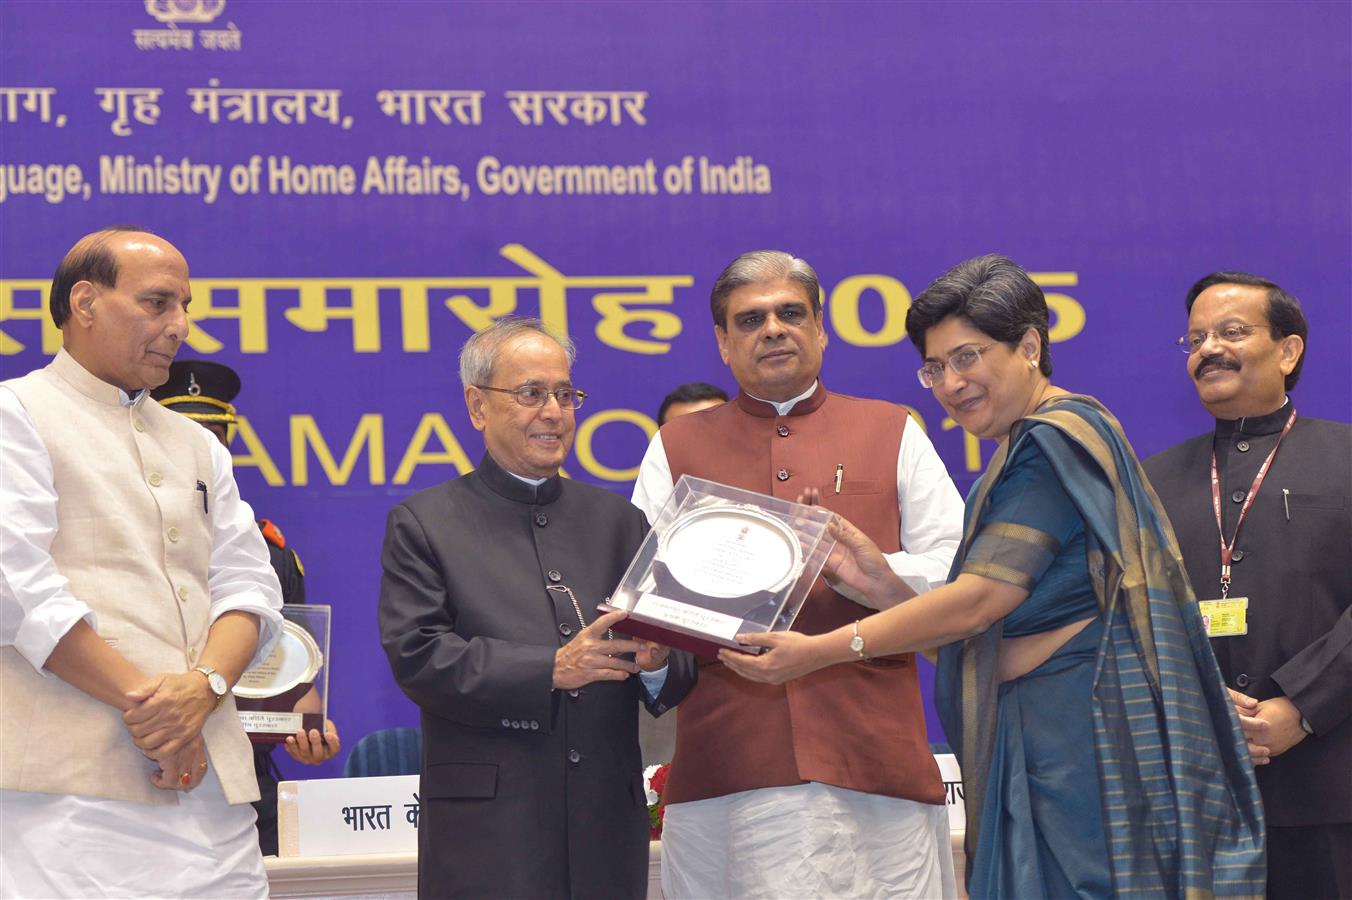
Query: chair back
389	751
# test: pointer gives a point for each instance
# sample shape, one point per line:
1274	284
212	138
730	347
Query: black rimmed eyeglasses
533	397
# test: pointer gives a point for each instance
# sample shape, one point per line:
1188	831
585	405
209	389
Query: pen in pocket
201	486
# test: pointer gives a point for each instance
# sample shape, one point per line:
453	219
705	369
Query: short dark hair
89	260
992	293
693	392
1285	317
760	267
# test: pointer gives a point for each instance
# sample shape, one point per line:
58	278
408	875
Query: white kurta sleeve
931	513
240	575
653	487
36	605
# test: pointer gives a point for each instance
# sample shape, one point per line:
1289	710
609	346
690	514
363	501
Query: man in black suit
1275	542
531	781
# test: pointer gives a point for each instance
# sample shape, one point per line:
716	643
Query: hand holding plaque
288	691
722	561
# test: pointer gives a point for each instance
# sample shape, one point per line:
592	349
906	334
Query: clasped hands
589	657
165	722
1271	727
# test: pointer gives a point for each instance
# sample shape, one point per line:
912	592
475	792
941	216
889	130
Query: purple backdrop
1121	150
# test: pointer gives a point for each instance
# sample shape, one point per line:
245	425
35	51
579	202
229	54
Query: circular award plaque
731	551
295	659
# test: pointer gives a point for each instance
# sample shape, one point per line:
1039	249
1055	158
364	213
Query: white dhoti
806	840
57	845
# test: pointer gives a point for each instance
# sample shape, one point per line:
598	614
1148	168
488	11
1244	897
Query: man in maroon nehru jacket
823	786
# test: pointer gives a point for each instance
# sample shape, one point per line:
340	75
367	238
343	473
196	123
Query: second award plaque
289	690
721	561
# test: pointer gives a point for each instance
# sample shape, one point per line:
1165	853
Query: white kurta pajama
818	840
66	845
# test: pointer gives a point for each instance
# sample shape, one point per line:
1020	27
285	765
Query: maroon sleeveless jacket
857	725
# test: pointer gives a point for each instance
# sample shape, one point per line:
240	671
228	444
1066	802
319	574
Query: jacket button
783	430
565	629
1238	496
138	424
554	575
506	723
1242	446
574	693
534	725
574	757
516	724
541	519
172	534
155	479
782	474
183	592
1238	556
1242	680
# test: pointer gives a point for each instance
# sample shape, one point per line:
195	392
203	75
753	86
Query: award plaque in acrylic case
721	561
289	690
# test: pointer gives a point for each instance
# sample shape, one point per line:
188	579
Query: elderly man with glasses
1262	507
531	778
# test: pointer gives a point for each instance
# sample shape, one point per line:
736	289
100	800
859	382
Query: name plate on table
289	690
345	816
721	561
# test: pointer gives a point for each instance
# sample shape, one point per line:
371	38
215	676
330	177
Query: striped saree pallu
1181	805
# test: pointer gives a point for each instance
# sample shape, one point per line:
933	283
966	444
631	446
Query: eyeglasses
1230	334
533	397
931	374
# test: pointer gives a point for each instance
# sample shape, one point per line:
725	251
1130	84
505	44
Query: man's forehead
1222	300
767	294
144	256
533	357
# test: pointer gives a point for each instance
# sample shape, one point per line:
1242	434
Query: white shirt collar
783	408
533	481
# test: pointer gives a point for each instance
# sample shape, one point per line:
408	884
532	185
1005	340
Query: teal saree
1117	767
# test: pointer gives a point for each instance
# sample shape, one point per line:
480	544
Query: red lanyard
1227	550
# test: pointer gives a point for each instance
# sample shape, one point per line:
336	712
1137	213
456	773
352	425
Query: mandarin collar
764	410
1271	423
89	384
508	486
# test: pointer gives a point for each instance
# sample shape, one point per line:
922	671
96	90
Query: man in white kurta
134	591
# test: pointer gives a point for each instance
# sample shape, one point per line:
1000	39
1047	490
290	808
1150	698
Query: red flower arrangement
655	779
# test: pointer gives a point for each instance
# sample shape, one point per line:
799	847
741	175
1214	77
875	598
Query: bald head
91	259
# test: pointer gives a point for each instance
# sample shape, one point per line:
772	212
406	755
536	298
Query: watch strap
208	671
857	643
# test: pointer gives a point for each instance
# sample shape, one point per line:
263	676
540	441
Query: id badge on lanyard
1228	616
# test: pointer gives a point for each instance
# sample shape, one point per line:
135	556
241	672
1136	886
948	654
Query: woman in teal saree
1101	755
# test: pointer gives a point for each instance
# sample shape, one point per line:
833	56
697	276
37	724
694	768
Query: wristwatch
1305	725
215	681
857	642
